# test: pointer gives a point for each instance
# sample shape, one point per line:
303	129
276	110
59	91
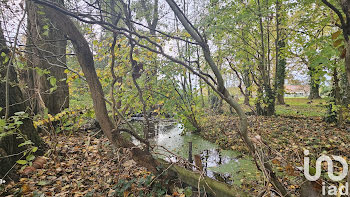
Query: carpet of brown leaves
284	140
81	166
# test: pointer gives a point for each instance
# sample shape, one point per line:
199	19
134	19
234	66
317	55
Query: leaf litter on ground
82	166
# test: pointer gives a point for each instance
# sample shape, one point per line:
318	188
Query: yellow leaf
337	42
336	35
90	148
126	193
25	188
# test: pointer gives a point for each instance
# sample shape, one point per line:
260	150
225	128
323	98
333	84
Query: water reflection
221	165
213	158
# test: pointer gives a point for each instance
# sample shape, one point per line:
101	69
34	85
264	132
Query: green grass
301	107
297	107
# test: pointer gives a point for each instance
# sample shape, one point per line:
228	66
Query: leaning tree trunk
85	59
221	90
47	47
9	144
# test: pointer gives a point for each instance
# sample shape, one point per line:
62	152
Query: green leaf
40	71
30	157
188	191
34	149
2	123
22	162
52	81
6	59
41	12
46	33
20	113
25	143
19	122
312	171
53	89
42	183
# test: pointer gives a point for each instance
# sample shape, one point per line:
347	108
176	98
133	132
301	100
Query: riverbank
284	139
84	164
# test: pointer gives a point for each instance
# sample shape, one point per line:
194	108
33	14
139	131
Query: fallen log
211	186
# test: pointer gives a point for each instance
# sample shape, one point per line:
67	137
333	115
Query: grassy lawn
296	106
302	107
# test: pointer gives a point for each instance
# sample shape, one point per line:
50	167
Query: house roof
297	89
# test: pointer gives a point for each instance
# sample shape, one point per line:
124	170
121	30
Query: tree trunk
347	68
314	85
9	144
314	90
47	47
267	96
224	93
280	61
345	5
85	59
345	26
280	75
247	83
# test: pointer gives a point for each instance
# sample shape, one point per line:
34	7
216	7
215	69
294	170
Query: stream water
222	165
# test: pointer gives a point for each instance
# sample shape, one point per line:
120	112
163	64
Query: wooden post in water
190	152
198	162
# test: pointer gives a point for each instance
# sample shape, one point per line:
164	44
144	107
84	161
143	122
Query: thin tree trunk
224	93
247	84
267	96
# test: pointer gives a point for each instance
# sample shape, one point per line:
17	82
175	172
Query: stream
223	165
